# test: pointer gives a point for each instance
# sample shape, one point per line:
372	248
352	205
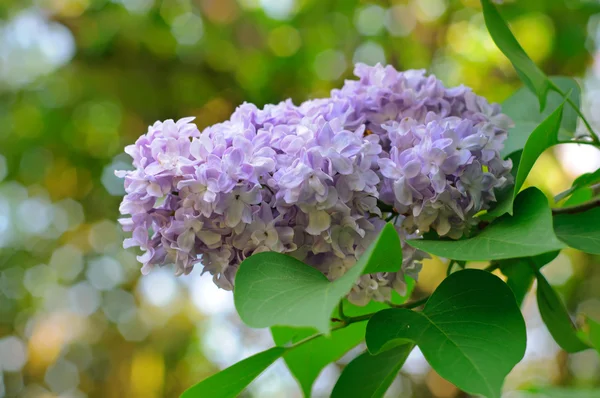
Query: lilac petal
318	221
233	215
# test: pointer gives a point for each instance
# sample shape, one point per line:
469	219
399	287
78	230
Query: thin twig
593	136
577	208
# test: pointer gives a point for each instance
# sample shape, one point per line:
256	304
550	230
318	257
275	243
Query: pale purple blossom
308	180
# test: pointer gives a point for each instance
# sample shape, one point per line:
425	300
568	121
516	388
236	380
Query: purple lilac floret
309	180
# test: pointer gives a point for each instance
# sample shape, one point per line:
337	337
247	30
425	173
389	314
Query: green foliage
471	331
580	230
275	289
527	233
528	71
580	182
523	109
308	360
520	275
369	376
543	136
230	382
556	316
593	334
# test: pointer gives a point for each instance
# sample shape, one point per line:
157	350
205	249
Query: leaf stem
577	208
593	136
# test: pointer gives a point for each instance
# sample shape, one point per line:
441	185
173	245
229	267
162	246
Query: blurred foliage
80	79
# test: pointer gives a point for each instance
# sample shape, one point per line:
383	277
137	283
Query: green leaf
528	71
544	136
528	233
274	289
471	331
558	392
580	231
308	360
520	276
579	196
388	256
583	180
229	383
555	316
369	376
593	334
523	109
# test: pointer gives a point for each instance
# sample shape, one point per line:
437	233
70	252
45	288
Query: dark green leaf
520	276
274	289
527	70
556	317
544	136
369	376
471	331
527	233
580	231
229	383
523	109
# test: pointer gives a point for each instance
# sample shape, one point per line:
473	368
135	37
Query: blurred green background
80	79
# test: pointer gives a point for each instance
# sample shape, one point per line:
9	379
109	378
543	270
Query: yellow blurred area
147	374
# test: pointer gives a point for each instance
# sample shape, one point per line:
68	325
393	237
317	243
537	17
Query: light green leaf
544	136
528	71
523	109
555	316
580	231
274	289
520	276
369	376
471	331
593	333
229	383
579	196
528	233
583	180
557	392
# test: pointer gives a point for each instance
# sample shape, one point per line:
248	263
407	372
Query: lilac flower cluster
309	180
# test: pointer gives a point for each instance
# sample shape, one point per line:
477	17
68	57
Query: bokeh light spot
62	376
369	53
104	273
369	20
330	64
159	287
284	41
67	261
84	299
13	354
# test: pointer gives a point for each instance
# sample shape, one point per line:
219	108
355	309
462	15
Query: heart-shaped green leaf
528	233
580	231
556	317
274	289
229	383
471	331
369	376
